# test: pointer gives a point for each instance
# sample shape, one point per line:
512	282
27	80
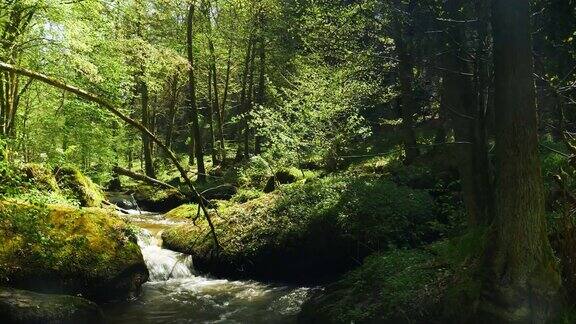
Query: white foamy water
175	294
163	264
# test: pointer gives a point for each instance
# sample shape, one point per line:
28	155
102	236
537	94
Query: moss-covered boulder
60	249
306	232
20	306
182	213
80	186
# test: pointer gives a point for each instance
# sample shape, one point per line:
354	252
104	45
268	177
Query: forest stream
175	294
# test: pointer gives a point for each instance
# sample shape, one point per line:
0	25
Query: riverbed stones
21	306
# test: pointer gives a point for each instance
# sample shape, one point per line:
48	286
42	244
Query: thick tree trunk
196	135
522	278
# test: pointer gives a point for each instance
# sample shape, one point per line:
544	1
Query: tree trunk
240	152
522	280
406	80
146	121
216	104
261	89
196	135
210	106
460	103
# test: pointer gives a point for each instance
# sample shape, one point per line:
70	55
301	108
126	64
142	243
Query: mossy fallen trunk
20	306
60	249
80	186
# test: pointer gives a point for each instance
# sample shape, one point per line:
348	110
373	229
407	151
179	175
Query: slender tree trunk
248	105
240	152
522	281
199	152
216	104
406	80
146	121
460	102
261	96
172	109
210	105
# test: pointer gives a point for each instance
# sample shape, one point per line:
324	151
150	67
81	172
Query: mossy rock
86	251
40	177
21	306
182	213
80	186
308	232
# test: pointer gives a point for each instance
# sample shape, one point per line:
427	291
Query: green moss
244	195
80	187
68	248
184	212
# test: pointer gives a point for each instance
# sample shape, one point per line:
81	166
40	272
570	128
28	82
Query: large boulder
57	249
21	306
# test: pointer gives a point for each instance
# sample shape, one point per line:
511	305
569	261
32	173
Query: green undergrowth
433	284
309	229
37	183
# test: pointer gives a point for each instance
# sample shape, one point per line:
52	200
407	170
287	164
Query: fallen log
142	178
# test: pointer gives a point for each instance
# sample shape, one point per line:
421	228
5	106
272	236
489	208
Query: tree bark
522	279
196	134
210	106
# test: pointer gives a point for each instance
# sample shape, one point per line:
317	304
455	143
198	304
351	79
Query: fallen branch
111	107
142	177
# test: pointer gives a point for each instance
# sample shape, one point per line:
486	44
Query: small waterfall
163	264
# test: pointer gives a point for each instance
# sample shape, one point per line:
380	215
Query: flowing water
174	294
